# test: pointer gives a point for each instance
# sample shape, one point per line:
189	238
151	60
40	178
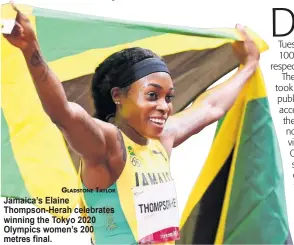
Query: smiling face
148	104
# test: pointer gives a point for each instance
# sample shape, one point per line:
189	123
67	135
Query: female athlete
125	148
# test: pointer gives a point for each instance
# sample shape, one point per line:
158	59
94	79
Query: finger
17	30
14	6
19	14
5	35
243	33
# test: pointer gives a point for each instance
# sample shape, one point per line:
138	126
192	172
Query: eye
169	98
152	96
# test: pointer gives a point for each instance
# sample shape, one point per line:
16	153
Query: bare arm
48	86
214	103
87	136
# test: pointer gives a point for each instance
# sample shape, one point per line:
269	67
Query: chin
153	131
153	134
154	137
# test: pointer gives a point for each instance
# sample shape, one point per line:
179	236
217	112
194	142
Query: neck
130	132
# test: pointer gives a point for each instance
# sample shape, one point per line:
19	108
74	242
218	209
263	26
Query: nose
162	106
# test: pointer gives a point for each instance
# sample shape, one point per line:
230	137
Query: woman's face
148	104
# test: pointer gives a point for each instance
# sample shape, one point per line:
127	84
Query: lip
158	121
159	117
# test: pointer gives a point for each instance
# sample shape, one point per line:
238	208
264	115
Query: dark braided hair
106	74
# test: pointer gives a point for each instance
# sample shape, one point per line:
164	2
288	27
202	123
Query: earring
117	102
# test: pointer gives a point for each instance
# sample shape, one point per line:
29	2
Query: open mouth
157	121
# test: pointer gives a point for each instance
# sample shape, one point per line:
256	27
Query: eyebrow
157	86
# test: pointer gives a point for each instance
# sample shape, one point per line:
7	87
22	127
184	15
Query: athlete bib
157	213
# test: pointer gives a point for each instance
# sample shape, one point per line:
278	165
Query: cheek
144	109
136	109
170	106
141	105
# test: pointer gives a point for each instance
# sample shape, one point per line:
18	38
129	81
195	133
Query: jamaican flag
239	196
37	162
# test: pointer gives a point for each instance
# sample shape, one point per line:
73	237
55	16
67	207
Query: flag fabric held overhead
37	162
241	184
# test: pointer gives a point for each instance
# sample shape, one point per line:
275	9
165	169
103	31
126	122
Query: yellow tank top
145	165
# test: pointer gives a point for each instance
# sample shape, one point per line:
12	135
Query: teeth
156	120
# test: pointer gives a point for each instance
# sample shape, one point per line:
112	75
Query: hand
246	50
22	34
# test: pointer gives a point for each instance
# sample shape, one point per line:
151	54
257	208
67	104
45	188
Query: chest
147	166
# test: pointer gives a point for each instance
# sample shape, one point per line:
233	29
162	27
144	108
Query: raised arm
214	103
87	136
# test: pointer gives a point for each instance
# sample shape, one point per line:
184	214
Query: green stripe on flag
11	179
257	209
60	37
218	126
63	34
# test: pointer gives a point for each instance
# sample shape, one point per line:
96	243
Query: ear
116	95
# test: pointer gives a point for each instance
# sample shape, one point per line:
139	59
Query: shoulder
110	130
114	140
